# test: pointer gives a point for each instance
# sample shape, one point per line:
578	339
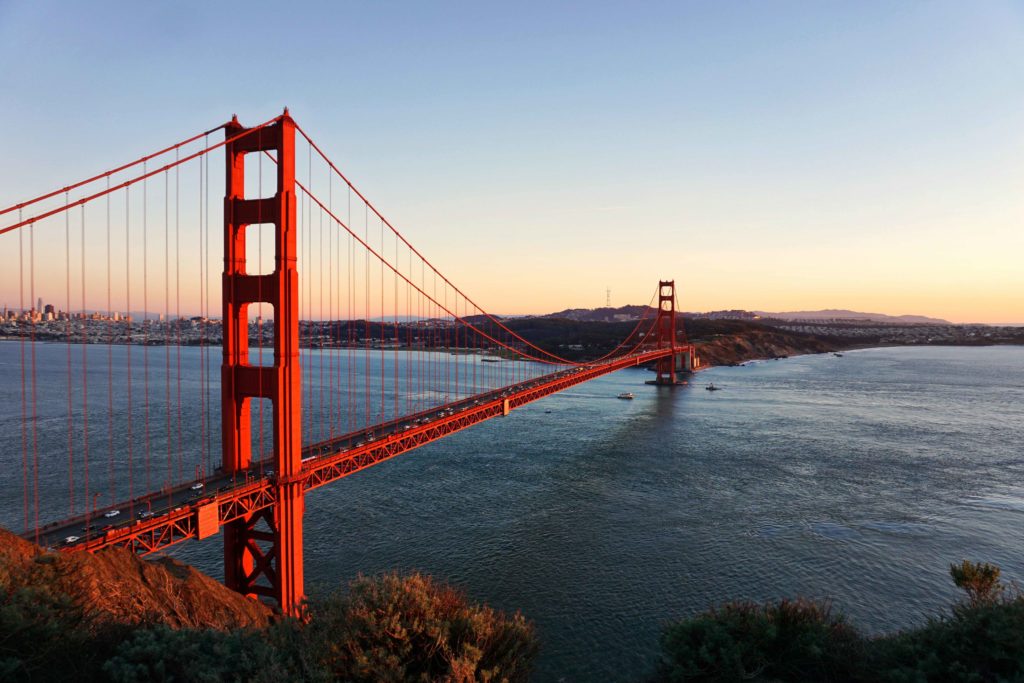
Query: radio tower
608	298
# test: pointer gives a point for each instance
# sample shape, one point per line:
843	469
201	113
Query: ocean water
858	479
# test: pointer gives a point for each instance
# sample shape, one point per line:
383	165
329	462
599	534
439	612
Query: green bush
980	640
389	628
395	628
164	655
789	640
42	636
983	642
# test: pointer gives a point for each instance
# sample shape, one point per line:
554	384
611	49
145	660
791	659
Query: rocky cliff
753	344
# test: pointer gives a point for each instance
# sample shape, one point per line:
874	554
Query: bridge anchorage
393	355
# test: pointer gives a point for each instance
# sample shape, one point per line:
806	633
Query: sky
767	156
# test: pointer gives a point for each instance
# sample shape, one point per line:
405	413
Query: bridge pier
263	550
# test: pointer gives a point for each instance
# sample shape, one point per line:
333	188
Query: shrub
394	628
979	579
978	642
43	636
161	654
789	640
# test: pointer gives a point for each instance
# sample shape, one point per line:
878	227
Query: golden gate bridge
402	357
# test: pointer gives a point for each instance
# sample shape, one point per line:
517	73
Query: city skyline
805	157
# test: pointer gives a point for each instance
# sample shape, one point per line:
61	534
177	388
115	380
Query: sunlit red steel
267	561
246	503
262	513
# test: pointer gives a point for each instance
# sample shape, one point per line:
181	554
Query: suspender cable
71	430
128	339
111	330
32	345
330	323
145	325
85	380
320	328
177	305
366	324
380	326
166	330
203	453
24	382
395	388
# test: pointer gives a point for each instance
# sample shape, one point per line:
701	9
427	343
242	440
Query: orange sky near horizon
776	157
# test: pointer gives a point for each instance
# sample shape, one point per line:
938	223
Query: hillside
118	586
719	342
843	314
731	349
604	314
113	618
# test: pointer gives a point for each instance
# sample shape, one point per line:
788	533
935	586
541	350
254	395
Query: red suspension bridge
341	346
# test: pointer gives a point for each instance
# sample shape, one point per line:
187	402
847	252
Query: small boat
490	360
838	355
626	395
712	387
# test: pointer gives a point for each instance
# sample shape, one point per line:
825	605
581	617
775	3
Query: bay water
857	478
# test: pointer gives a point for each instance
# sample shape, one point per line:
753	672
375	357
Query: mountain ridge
846	314
634	312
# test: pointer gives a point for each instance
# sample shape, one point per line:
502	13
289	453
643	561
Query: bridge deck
191	511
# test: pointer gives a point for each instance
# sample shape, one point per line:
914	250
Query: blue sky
766	155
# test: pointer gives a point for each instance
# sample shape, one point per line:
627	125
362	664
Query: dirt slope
118	585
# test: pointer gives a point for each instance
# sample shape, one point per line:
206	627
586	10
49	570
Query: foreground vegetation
982	639
389	628
410	628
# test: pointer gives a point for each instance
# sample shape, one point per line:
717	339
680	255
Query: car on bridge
111	513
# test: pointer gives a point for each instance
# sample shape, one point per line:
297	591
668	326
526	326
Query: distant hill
627	313
843	314
602	315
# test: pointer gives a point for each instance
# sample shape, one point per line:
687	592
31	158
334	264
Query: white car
70	539
198	486
145	514
111	513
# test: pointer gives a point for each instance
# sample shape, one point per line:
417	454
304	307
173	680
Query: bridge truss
403	357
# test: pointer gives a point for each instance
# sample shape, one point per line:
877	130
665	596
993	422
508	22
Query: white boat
626	395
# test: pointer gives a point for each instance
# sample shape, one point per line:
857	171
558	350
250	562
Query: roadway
166	517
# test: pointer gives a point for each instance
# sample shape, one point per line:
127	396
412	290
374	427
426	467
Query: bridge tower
263	551
665	329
